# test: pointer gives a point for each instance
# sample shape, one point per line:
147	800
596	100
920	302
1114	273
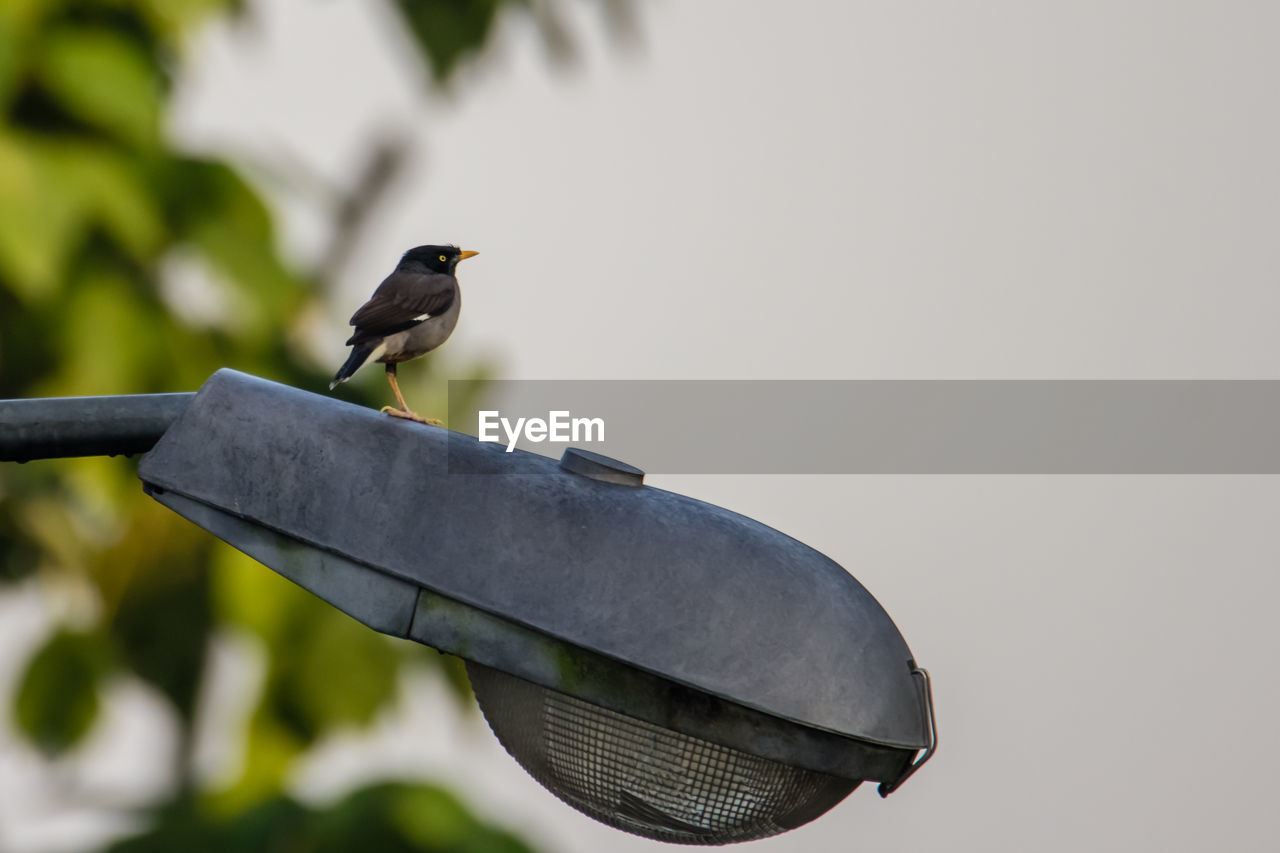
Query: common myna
411	313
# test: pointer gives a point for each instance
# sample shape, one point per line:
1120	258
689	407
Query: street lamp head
664	665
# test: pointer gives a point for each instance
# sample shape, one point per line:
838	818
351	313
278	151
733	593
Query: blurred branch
621	21
555	34
350	207
382	165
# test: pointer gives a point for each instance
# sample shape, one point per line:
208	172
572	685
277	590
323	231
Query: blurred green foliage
388	818
59	697
95	202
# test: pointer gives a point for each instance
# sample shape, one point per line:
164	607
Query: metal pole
57	427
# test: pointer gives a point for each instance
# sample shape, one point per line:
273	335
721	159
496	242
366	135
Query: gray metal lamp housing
663	665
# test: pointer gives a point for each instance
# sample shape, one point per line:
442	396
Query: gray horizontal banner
889	426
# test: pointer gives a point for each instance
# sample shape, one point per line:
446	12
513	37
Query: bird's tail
360	354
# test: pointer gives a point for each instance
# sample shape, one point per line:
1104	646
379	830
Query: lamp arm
59	427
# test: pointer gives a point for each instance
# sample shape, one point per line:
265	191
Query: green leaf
114	193
387	818
57	700
412	818
449	30
328	671
269	751
41	217
12	39
104	79
216	211
107	341
163	625
19	556
248	594
430	817
278	825
346	672
324	671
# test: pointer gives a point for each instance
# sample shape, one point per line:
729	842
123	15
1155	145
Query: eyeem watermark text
558	426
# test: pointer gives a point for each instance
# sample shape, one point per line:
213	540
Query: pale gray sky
874	190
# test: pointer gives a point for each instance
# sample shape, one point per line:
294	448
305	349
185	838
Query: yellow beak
462	256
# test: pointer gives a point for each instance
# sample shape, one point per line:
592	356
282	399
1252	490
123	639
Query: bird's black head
433	259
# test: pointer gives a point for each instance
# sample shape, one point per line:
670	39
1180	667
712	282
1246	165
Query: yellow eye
442	257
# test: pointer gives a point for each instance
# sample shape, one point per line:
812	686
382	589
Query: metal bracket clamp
887	788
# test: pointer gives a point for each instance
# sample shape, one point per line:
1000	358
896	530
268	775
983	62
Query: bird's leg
404	411
395	388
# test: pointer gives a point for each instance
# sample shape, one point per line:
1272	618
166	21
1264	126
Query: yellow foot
410	416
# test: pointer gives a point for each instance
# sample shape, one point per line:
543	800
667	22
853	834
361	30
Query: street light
663	665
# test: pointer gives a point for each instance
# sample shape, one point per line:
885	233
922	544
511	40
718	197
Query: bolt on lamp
663	665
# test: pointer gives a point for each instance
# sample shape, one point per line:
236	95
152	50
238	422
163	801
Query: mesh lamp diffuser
661	664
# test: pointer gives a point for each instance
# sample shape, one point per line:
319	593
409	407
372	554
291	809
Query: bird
411	313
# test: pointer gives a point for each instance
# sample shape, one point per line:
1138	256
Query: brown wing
402	301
